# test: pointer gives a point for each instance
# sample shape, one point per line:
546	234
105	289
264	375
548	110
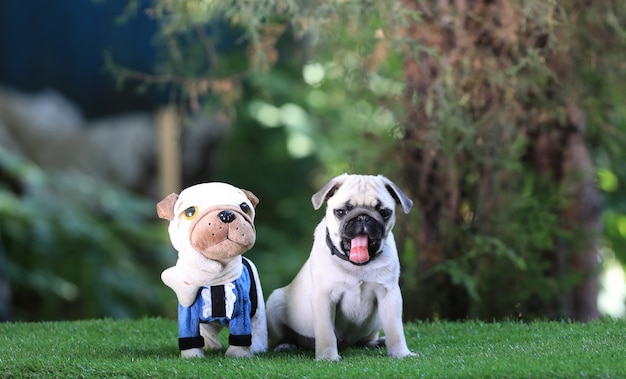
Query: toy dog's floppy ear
165	207
253	199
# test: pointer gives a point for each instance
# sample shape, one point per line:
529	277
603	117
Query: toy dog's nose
226	216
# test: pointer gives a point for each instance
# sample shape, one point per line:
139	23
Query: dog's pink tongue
358	249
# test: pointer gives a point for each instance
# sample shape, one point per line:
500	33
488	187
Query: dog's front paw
327	355
402	354
239	352
192	353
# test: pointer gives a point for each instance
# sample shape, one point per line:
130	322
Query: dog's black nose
363	219
227	216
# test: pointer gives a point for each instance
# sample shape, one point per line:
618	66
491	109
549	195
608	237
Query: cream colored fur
334	301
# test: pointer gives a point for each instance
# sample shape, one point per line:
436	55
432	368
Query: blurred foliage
314	90
352	117
257	157
602	86
77	248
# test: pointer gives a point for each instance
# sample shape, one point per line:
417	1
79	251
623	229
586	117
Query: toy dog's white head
213	219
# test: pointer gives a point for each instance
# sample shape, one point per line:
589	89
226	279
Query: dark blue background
60	44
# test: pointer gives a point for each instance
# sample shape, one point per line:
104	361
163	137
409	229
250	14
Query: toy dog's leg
190	342
209	332
240	337
259	322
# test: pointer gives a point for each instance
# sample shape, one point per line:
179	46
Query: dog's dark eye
191	212
244	207
340	213
386	213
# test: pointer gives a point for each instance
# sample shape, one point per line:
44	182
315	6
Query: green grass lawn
148	348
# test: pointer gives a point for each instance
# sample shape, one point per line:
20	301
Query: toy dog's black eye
190	213
244	207
386	213
340	213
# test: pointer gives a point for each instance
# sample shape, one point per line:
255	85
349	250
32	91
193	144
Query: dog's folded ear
253	199
327	191
398	195
165	207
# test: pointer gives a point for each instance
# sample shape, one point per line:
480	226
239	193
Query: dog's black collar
341	255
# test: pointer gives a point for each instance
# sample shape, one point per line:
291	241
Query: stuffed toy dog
211	226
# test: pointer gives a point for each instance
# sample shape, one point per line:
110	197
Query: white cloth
193	271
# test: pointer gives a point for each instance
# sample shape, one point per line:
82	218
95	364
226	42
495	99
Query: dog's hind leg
275	310
373	340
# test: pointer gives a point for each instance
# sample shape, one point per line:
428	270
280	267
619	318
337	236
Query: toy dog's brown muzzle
224	232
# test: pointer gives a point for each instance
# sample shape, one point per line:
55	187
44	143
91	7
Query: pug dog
211	226
347	290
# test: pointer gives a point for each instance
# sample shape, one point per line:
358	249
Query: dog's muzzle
361	238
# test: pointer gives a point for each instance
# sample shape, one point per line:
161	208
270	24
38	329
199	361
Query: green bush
350	113
76	247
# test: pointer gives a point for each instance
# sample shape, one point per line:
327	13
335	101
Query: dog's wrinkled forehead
362	191
207	195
